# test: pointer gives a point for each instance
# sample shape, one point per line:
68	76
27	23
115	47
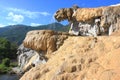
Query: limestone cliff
81	58
37	48
69	57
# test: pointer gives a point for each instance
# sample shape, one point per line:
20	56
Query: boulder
63	14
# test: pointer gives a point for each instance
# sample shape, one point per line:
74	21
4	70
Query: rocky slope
81	58
68	57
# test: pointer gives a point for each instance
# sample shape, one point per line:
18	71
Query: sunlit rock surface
78	57
37	48
81	58
109	19
44	40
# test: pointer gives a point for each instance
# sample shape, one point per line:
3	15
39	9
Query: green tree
7	49
6	62
4	43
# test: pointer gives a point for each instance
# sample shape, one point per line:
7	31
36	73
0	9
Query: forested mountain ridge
16	33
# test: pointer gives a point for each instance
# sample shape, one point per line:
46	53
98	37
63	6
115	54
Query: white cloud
15	17
11	23
2	25
44	13
116	4
27	13
35	24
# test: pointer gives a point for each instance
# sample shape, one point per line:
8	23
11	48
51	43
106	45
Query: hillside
16	33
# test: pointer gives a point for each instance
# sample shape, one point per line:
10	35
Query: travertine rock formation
24	55
28	58
109	18
48	40
81	58
75	57
37	48
87	14
63	14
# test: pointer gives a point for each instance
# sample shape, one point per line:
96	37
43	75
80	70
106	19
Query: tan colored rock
86	14
81	58
64	13
108	16
44	40
117	33
40	40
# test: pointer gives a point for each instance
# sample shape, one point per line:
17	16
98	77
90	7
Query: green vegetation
7	55
6	62
5	66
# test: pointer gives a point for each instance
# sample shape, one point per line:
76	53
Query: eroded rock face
64	14
28	58
87	14
38	46
81	58
44	40
24	55
109	18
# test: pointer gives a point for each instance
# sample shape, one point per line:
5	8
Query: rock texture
63	14
28	58
76	57
38	47
44	40
81	58
86	14
109	18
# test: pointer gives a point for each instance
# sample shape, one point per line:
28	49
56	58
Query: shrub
6	62
4	69
13	64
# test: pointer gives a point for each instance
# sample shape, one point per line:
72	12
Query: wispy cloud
29	14
116	4
15	17
35	24
2	25
44	13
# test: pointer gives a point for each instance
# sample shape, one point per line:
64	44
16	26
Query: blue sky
40	12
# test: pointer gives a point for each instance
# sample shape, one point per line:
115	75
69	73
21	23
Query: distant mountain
16	33
3	29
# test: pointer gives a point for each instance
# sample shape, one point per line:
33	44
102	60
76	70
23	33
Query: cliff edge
61	56
81	58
